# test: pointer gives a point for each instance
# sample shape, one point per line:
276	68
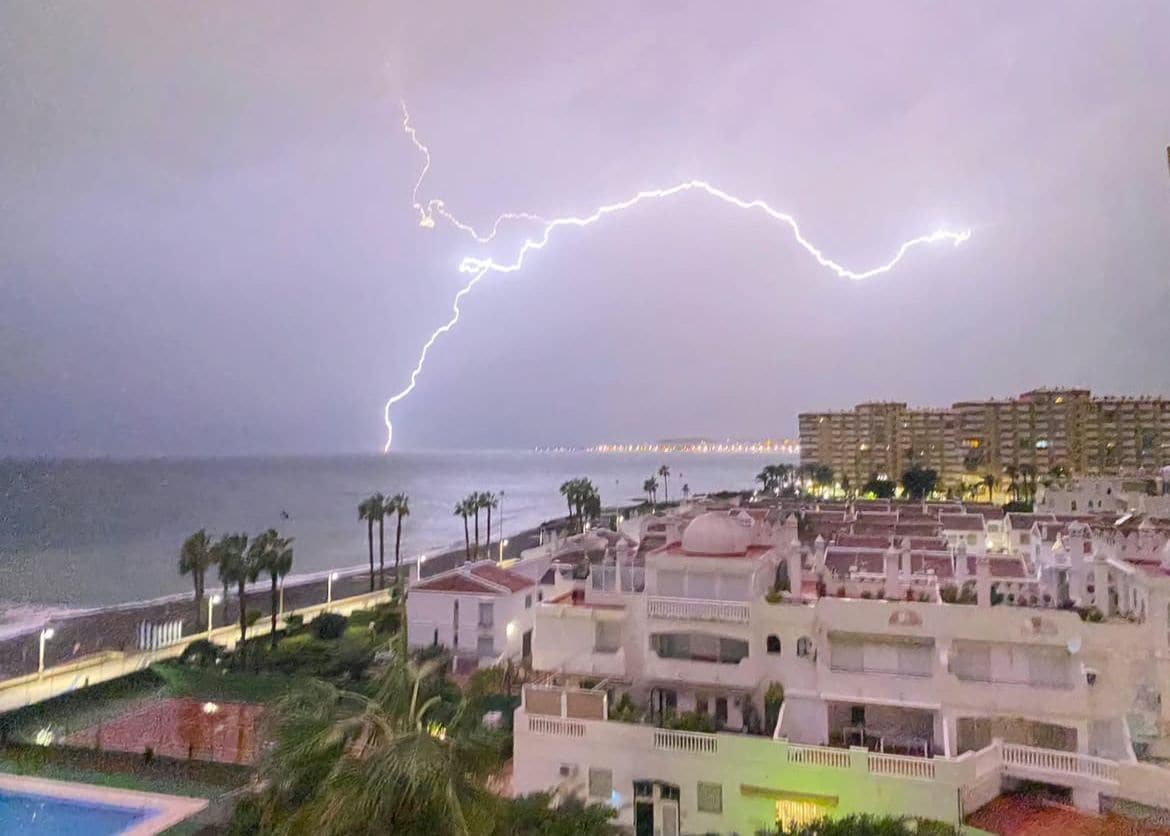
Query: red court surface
226	732
1018	815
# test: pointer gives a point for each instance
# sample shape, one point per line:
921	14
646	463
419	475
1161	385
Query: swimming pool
44	807
47	816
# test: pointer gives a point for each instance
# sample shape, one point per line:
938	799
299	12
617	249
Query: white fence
1032	761
684	741
538	724
696	609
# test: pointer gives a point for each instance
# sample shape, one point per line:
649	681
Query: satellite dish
1074	645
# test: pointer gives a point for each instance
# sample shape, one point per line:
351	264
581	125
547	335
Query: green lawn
215	684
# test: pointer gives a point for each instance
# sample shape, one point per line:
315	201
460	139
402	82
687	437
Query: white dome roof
718	534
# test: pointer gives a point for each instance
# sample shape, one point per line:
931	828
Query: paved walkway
115	629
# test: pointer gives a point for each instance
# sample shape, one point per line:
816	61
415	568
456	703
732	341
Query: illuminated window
1042	444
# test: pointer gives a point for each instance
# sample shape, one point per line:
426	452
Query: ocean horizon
86	532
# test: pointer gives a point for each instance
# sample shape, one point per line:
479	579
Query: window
971	539
804	647
857	715
607	636
773	644
600	782
710	797
486	614
1073	505
485	646
527	602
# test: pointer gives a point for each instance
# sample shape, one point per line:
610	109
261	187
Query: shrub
1090	614
329	625
252	617
773	700
691	721
773	596
625	711
201	653
866	594
387	619
841	592
294	623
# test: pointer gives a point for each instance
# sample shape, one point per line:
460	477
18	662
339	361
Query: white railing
539	724
697	609
818	756
1030	759
901	766
685	741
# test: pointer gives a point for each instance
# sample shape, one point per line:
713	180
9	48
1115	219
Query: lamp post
329	589
503	542
46	634
211	602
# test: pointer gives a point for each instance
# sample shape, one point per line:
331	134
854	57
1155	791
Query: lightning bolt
478	267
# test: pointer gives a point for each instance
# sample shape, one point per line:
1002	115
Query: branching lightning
478	267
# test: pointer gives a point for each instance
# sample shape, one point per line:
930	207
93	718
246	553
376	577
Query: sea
77	534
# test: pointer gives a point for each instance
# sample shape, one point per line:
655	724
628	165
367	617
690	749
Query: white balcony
698	609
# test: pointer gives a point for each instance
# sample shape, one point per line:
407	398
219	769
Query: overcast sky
207	243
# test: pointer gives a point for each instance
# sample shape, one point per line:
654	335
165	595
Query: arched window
773	644
804	646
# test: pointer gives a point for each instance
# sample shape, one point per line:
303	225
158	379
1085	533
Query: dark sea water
95	532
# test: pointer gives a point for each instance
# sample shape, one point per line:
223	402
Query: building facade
1045	430
914	663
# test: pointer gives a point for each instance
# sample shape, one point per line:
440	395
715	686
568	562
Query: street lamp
211	602
46	634
329	589
503	545
503	542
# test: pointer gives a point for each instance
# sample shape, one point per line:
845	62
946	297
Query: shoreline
83	632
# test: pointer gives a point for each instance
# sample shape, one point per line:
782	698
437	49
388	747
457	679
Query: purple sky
207	243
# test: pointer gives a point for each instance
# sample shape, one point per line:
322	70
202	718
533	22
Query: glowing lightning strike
426	214
480	267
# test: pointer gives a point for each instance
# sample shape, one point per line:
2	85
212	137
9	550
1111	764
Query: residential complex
911	659
1044	429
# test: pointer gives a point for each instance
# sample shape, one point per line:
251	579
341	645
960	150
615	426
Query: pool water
42	815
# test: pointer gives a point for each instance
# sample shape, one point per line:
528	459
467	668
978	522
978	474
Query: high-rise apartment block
1044	429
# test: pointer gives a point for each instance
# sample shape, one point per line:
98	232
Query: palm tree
490	501
1013	474
1028	475
664	472
474	502
195	558
989	482
568	489
650	486
225	554
462	510
399	505
273	554
371	509
239	564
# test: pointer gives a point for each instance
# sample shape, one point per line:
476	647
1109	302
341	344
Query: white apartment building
920	674
479	611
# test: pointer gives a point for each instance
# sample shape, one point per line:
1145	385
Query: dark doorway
526	645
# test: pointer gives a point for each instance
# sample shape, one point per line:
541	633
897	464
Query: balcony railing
684	741
818	756
555	726
901	766
698	609
1030	759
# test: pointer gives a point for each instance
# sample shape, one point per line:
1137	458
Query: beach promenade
108	637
